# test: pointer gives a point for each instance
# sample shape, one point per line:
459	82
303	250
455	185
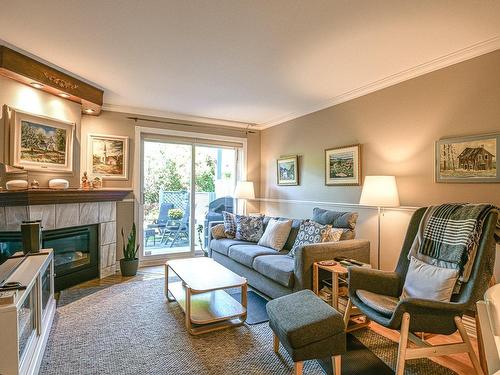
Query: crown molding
174	116
444	61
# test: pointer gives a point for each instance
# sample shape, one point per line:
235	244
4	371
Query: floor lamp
244	190
379	191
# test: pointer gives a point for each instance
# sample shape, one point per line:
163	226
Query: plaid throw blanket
452	232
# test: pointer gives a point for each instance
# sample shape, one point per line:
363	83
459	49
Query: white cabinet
25	324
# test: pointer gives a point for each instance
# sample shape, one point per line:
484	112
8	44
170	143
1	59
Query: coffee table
201	294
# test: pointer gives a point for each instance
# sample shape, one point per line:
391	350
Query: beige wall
28	99
397	128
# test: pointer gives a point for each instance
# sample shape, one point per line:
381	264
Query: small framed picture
40	143
108	156
288	173
467	159
343	165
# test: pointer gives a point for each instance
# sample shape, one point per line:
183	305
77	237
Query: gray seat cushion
222	245
302	318
246	254
383	304
278	268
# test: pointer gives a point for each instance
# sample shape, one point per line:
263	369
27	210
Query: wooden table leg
315	279
188	310
335	290
244	300
167	295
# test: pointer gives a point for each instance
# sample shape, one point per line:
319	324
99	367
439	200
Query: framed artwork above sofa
288	171
343	165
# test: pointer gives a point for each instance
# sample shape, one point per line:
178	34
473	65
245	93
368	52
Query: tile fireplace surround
65	215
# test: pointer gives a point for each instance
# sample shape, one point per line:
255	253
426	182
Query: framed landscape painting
108	156
467	159
288	173
343	165
41	143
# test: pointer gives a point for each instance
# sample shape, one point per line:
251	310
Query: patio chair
381	303
177	230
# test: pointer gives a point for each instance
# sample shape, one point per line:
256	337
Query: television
11	254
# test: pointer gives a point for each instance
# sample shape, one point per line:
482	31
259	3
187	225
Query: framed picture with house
467	159
343	166
108	156
288	171
40	143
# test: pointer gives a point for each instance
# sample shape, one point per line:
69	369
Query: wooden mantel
51	196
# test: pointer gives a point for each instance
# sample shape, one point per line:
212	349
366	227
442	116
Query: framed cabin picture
41	144
343	166
108	156
288	171
467	159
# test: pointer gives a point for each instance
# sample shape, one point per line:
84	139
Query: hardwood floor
459	363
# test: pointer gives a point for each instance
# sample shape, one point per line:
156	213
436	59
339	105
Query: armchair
376	294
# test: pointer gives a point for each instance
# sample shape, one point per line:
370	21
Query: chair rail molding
331	203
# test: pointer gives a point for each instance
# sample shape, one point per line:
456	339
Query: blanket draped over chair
449	235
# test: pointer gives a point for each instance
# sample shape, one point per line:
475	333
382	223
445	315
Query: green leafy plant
199	230
129	247
175	213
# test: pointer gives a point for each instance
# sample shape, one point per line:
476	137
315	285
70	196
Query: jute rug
130	329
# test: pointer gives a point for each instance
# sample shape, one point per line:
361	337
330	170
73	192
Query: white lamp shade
244	190
380	191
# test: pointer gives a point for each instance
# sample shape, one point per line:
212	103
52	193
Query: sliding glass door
185	185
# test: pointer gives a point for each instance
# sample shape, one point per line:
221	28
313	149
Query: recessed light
89	110
36	85
64	95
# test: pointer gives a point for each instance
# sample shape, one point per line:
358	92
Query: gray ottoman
307	328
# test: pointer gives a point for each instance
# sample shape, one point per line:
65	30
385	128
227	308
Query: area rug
130	329
256	307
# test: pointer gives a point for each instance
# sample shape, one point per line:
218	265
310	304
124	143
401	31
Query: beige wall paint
397	128
116	123
28	99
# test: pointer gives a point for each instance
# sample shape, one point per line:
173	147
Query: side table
353	318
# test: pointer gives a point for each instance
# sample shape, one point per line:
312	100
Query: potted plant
129	263
175	214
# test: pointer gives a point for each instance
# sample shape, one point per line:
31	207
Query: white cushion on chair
426	281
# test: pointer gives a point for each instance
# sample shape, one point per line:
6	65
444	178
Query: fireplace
75	252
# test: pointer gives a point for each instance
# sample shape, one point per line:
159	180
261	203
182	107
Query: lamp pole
378	238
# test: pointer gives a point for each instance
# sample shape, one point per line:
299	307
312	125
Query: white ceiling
256	61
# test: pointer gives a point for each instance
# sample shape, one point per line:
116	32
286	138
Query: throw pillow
229	224
334	218
218	231
276	234
249	228
333	235
429	282
309	232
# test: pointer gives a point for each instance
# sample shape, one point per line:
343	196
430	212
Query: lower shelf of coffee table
208	307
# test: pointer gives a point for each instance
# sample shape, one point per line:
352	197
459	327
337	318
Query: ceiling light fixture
89	110
64	95
36	85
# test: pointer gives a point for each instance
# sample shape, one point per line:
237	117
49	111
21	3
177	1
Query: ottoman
307	328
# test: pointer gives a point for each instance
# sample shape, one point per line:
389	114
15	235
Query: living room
197	132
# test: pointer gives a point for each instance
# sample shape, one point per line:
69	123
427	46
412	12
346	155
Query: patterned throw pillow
309	232
249	228
229	224
333	235
218	231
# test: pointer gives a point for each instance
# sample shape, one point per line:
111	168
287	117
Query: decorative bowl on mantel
58	184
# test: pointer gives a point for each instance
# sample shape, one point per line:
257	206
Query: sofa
276	274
